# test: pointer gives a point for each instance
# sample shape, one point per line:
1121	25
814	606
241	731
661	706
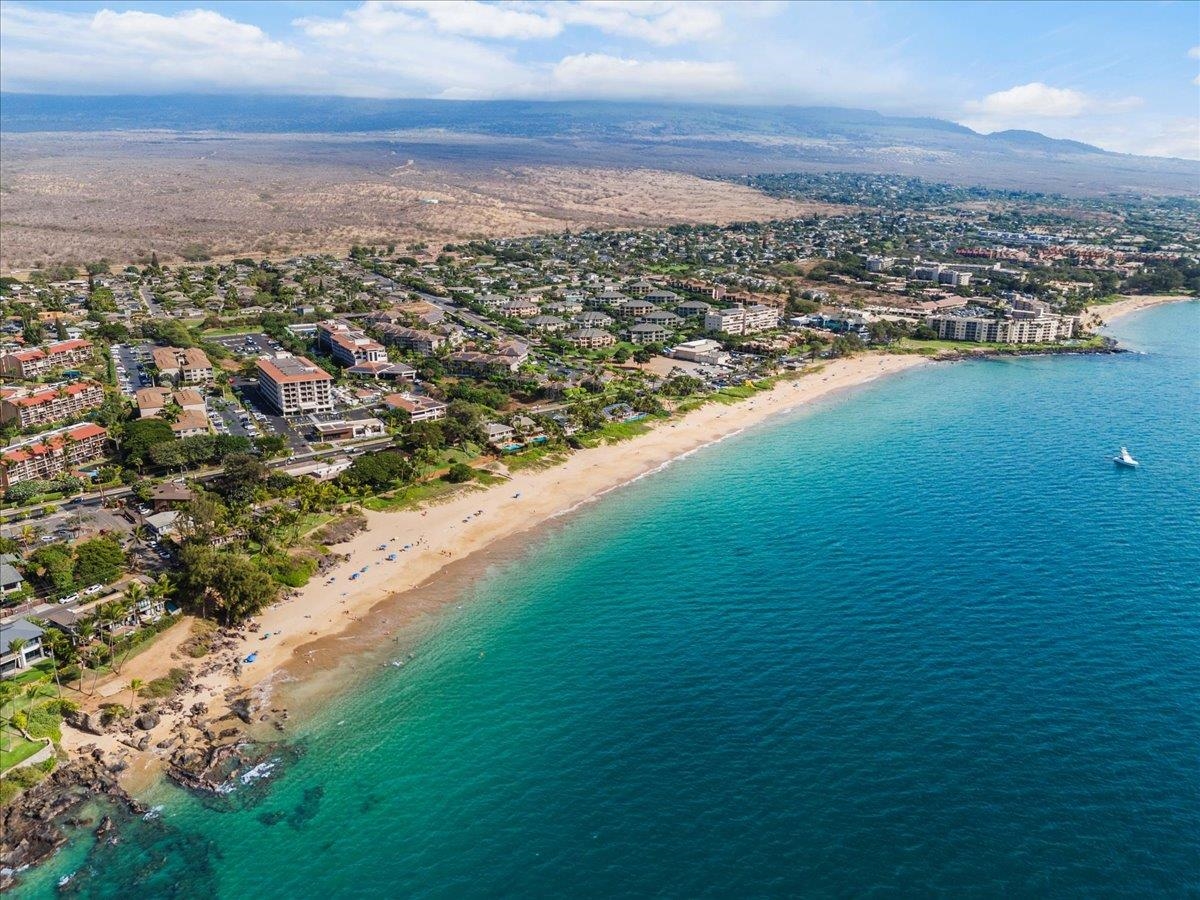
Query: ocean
923	639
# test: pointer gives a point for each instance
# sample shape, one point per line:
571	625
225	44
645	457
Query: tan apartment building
188	366
295	385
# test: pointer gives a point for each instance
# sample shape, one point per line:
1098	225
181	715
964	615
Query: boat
1124	459
252	657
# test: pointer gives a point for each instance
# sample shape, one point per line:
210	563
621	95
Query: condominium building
53	403
294	385
348	345
188	366
151	401
426	342
648	333
591	338
984	328
742	319
52	453
38	361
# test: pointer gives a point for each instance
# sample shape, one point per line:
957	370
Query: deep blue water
924	640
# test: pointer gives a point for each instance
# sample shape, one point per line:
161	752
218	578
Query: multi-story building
295	385
151	401
188	366
419	408
52	453
426	342
348	345
53	403
989	329
648	333
38	361
591	338
742	319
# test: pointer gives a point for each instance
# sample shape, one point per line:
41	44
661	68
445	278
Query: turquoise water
924	640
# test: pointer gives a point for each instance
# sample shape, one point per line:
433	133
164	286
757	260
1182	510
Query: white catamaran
1124	459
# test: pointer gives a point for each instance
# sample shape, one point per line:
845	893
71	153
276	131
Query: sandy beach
1107	313
303	627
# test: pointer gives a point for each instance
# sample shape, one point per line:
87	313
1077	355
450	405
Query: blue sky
1124	76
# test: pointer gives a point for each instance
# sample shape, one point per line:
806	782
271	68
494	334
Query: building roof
17	628
50	394
190	420
171	491
412	403
51	441
287	369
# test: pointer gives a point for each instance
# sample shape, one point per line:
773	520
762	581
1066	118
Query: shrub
459	472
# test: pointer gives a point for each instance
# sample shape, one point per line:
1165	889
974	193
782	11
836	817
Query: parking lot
257	344
265	418
128	359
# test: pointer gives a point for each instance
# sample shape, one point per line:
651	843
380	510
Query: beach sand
1107	313
305	628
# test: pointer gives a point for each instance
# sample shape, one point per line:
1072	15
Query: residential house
29	651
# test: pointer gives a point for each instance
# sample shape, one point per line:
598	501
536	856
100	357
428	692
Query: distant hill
683	137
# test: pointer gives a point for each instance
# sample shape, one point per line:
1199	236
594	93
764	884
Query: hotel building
295	385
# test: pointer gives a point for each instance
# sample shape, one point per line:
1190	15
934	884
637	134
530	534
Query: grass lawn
15	749
535	459
418	495
614	432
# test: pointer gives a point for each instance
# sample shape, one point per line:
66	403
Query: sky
1122	76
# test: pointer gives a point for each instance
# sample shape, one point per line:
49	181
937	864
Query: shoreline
1107	313
311	632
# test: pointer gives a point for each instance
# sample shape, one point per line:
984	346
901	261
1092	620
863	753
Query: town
196	436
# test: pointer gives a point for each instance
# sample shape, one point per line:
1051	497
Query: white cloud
599	75
1194	53
107	50
660	22
1041	100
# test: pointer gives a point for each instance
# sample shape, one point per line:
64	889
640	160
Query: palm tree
134	685
15	646
135	593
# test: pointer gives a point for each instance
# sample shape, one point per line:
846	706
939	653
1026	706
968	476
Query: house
37	361
11	580
499	434
170	495
693	309
547	323
295	385
472	362
28	651
162	524
418	407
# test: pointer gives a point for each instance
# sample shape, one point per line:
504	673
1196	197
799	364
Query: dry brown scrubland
83	197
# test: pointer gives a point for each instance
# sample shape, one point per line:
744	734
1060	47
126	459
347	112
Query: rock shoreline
31	827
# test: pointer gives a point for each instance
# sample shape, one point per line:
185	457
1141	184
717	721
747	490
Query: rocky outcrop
30	826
